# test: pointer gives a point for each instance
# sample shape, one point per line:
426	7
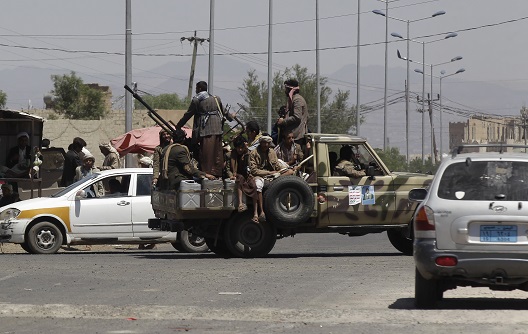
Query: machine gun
153	114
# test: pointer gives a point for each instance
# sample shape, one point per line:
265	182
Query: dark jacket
71	162
13	158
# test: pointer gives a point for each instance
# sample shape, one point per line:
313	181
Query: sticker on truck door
368	196
354	195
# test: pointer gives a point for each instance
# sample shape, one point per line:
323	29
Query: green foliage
75	100
163	101
397	162
393	159
3	99
336	116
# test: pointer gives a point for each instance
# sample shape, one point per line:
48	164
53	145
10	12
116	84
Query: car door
358	201
142	208
107	216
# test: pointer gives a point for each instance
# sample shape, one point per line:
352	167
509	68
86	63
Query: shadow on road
467	304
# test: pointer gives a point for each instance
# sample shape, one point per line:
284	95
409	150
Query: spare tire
288	201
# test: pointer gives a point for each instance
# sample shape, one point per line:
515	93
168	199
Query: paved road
308	284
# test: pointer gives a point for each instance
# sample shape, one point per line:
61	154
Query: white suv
471	228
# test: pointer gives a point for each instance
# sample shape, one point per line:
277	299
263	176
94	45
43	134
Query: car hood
40	203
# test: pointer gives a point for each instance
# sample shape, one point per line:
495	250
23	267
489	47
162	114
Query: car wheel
288	201
245	238
399	239
190	243
218	246
44	238
26	247
426	292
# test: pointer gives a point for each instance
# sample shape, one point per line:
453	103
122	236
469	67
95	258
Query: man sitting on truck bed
263	163
176	164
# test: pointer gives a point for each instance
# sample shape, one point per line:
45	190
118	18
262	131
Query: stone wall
62	131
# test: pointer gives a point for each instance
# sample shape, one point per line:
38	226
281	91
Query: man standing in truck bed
207	129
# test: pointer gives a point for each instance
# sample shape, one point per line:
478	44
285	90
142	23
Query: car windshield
74	185
485	180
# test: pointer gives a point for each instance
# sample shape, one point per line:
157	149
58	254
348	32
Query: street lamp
440	96
449	35
433	153
379	12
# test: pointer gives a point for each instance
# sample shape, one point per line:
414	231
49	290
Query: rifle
153	114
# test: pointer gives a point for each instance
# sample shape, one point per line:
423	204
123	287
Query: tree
163	101
340	118
76	100
392	158
3	99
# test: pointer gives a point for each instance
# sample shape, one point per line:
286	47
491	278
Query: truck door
359	201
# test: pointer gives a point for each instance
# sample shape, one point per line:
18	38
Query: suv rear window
485	180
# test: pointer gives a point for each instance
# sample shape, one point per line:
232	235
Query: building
488	130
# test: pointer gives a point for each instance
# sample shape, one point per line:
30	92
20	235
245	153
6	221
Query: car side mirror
80	194
417	194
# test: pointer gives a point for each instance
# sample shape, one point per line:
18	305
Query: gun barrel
152	113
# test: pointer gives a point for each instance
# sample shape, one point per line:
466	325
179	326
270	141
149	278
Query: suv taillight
424	219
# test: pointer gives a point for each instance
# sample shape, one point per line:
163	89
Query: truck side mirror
370	172
417	194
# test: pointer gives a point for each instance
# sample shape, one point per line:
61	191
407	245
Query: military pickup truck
319	203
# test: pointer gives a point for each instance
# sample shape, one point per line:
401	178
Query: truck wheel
44	238
219	247
400	240
427	293
245	238
288	201
190	243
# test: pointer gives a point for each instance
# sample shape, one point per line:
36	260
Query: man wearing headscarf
86	169
165	139
296	119
176	164
207	129
111	160
263	162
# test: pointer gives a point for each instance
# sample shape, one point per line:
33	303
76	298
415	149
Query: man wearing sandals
263	163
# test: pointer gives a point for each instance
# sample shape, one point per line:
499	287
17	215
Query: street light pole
408	22
386	75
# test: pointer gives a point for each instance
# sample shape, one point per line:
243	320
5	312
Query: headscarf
109	147
146	161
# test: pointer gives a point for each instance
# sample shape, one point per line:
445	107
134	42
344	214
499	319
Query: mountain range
26	87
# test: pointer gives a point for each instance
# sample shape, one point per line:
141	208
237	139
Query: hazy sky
495	53
492	52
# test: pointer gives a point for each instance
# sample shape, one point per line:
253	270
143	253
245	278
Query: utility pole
194	40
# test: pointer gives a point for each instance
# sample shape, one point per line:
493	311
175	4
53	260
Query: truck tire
247	239
400	240
188	242
218	246
288	201
44	238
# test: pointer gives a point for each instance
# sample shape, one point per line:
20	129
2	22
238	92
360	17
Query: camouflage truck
319	203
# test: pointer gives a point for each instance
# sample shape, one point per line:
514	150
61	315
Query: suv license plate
498	233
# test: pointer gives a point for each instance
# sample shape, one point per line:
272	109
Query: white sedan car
81	215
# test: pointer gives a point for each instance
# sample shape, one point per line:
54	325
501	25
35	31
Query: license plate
498	233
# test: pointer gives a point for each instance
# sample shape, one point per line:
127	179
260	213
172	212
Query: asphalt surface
308	284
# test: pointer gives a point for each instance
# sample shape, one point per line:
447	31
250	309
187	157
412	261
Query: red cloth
140	140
